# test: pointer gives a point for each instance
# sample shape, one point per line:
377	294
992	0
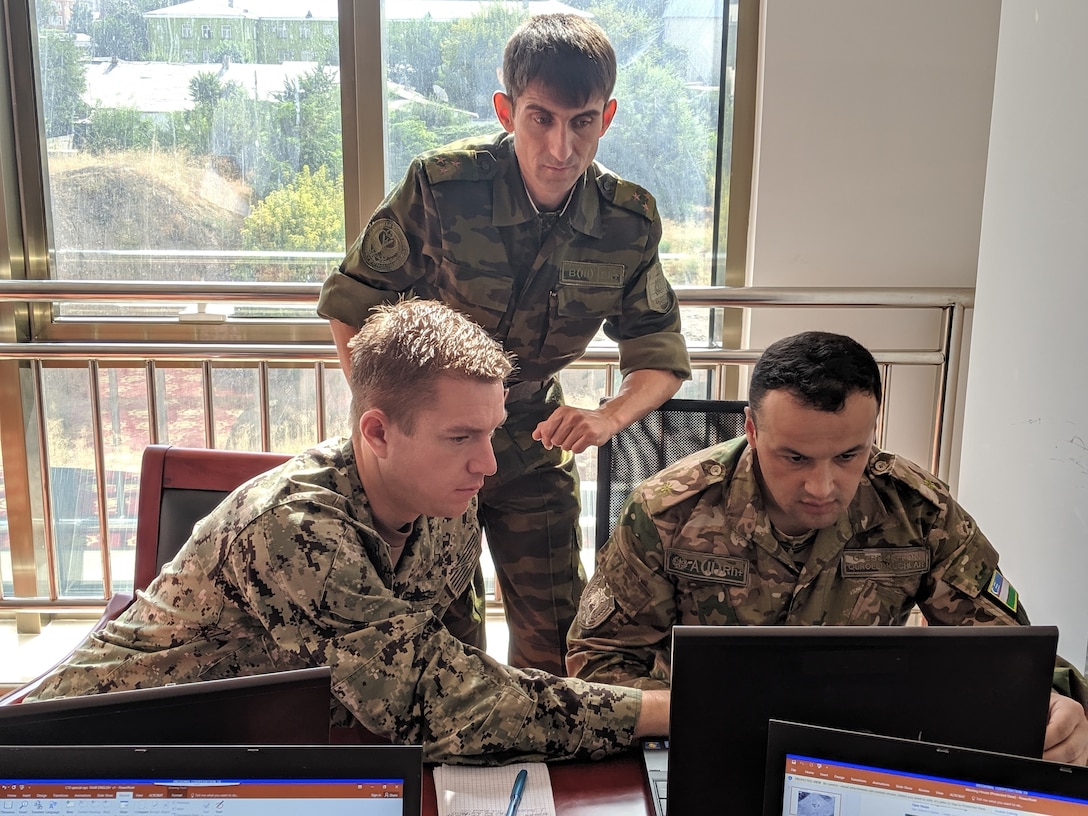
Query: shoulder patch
658	291
628	195
384	246
459	165
999	588
597	603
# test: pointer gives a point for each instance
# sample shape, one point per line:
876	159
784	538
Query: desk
615	786
608	787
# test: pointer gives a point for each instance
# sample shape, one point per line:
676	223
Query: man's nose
562	141
484	461
820	481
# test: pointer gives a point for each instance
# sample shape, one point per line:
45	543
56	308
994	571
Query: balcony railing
57	515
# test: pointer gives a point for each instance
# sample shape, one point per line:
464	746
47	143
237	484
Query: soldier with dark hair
541	245
802	521
350	556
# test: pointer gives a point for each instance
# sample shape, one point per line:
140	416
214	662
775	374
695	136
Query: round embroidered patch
597	604
384	245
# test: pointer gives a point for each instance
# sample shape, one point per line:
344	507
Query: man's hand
653	719
575	429
1066	732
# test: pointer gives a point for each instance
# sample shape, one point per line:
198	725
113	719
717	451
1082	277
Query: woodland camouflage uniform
460	228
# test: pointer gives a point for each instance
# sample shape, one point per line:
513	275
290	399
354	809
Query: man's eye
457	440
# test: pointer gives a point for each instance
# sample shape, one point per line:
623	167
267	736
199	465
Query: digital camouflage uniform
288	572
693	545
461	229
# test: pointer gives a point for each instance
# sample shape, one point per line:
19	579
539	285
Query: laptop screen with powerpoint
281	708
985	687
211	780
816	771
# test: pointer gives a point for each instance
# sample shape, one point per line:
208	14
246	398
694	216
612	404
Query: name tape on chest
591	274
885	562
719	569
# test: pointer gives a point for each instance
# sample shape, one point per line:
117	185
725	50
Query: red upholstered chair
178	487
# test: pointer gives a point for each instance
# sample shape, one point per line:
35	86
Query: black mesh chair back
677	428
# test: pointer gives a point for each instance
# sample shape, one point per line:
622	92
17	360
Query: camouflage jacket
694	545
460	228
288	572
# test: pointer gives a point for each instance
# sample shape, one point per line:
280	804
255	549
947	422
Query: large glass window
177	142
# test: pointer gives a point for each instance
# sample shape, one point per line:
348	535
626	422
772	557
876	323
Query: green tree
414	53
120	30
306	215
116	129
472	56
304	130
81	20
64	81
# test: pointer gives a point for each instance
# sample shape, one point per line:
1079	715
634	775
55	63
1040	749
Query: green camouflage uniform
693	545
461	229
288	572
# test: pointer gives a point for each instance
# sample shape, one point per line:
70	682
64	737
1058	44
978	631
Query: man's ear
750	427
607	115
374	432
504	109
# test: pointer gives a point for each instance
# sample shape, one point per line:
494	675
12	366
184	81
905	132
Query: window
238	174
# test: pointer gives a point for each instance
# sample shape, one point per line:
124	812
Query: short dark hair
403	349
819	369
570	55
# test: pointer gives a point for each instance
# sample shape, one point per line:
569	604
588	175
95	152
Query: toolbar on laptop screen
818	787
210	797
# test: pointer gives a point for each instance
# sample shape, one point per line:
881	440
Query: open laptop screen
211	781
815	771
985	687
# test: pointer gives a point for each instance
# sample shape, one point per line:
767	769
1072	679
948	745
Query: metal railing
713	361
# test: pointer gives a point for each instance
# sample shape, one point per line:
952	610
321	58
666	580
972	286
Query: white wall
1024	467
872	132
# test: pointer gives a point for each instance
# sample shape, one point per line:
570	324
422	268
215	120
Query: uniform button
609	185
714	470
881	466
485	165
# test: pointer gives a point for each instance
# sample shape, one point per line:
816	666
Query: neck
388	514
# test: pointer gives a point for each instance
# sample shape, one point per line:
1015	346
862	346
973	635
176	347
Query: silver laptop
218	780
817	771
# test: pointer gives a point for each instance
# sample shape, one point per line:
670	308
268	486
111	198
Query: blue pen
516	792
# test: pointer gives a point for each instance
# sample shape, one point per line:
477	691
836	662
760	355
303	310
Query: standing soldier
540	245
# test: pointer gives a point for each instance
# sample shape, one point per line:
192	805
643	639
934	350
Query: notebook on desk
985	687
281	708
817	771
211	780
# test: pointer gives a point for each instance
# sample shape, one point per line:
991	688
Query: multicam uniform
461	229
288	572
694	545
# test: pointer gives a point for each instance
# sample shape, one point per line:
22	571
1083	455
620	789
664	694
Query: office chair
178	487
677	428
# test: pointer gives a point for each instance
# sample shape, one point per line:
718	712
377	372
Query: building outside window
206	32
186	32
224	32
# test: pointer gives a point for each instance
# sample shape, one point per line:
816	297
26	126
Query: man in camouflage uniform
349	556
539	244
802	521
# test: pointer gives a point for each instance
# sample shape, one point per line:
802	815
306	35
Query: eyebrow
593	112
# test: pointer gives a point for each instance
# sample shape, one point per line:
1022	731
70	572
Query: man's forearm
640	392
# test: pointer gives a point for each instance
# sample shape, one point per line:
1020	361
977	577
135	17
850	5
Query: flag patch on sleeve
1002	591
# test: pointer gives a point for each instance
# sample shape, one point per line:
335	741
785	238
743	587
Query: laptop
934	683
282	708
817	771
219	780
